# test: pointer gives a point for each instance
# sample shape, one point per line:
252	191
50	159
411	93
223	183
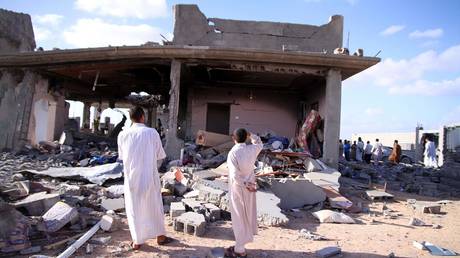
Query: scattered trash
310	235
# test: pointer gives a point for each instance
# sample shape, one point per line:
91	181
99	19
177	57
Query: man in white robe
242	189
377	151
139	147
359	150
430	154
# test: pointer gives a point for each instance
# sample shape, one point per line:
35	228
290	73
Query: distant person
353	151
430	153
377	151
395	155
368	152
242	190
346	150
340	150
359	150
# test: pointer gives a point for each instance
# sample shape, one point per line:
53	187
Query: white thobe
240	161
377	150
368	149
359	151
140	148
430	155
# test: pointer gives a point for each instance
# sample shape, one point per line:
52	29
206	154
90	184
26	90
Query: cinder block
328	252
176	209
38	203
190	223
210	195
193	205
212	212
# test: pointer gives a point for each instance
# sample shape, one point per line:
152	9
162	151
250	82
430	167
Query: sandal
230	253
134	247
167	240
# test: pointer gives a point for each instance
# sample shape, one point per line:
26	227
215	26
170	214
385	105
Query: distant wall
266	111
191	27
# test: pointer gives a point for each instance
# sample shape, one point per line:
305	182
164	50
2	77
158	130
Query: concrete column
332	118
152	117
86	114
173	143
442	145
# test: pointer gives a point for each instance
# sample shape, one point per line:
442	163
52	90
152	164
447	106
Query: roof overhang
348	65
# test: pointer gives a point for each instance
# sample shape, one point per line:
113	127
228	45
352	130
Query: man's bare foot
164	240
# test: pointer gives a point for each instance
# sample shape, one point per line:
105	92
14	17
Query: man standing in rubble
242	189
139	147
377	151
359	150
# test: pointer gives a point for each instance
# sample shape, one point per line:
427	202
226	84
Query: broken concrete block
268	211
37	204
427	207
296	193
176	209
193	205
31	250
205	174
208	194
212	212
192	194
115	191
211	139
58	216
113	204
19	190
378	195
168	199
418	245
416	222
89	248
328	252
190	223
328	216
66	189
100	240
14	229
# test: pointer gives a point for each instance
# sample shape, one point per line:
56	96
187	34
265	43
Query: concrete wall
268	110
191	27
405	139
16	32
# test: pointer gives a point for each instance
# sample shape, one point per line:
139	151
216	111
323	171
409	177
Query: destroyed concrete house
216	74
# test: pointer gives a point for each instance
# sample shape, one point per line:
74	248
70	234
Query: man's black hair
240	135
136	113
396	141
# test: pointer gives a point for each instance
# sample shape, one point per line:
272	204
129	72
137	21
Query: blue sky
418	80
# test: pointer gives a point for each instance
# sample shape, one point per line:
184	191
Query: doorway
218	118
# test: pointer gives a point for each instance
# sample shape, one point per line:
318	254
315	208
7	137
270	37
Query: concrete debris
89	248
427	207
58	216
328	252
38	203
419	245
416	222
97	175
438	251
190	223
328	216
296	193
303	233
100	240
268	211
31	250
113	204
212	212
176	209
378	195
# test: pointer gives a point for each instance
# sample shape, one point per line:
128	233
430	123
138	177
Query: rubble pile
441	182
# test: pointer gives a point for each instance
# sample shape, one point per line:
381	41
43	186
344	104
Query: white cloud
452	117
429	88
409	76
48	19
141	9
98	33
373	111
393	29
433	34
41	34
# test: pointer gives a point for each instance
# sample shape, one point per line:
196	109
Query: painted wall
268	110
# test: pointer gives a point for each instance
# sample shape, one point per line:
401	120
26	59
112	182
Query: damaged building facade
215	75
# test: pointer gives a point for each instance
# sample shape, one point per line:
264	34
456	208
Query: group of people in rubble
358	151
141	151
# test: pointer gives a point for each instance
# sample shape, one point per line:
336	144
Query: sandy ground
373	236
